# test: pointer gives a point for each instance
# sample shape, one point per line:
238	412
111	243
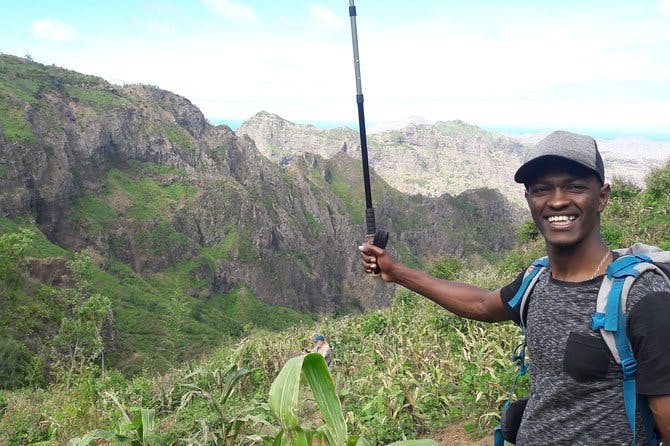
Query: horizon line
513	130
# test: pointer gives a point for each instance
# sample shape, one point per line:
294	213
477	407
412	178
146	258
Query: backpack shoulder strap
610	320
530	278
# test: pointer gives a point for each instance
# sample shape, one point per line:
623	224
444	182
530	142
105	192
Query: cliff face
136	174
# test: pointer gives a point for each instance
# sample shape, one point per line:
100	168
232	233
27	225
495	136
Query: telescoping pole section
378	238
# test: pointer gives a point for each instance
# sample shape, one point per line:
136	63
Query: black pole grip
381	238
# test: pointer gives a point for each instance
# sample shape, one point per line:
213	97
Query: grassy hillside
404	372
156	321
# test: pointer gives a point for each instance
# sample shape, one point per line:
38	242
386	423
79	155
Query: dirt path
456	435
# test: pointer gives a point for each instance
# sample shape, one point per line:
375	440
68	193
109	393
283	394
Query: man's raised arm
459	298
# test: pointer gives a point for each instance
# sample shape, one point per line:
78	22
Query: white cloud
664	6
322	16
53	30
232	10
537	76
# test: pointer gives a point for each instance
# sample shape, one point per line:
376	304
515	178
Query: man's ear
604	197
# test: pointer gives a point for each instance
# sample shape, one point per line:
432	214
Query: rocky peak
184	112
280	140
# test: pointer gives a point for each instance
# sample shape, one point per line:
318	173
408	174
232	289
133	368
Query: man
576	387
321	346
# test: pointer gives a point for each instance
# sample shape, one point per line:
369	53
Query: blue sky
595	66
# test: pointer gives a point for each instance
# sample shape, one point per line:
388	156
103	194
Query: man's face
319	343
566	204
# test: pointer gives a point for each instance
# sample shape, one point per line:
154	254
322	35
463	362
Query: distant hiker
576	385
321	346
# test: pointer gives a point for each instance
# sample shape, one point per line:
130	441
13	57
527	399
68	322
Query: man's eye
539	190
576	187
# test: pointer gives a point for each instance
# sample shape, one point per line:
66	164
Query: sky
599	67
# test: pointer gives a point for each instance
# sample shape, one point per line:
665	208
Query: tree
12	247
79	340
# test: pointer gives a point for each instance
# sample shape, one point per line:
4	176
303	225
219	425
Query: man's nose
558	198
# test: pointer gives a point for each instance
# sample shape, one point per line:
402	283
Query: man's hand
373	257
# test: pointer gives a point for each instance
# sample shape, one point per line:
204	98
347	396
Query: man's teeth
555	218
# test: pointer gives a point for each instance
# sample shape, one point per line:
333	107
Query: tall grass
284	402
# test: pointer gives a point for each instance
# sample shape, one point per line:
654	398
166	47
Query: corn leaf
97	434
148	425
318	377
284	399
284	394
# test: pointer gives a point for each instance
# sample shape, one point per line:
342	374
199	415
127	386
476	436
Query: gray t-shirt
576	386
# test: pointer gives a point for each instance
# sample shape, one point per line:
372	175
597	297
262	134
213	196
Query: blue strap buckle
629	367
597	321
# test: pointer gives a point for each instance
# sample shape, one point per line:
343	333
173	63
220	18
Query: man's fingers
368	258
370	249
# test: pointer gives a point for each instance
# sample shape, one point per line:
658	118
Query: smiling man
576	385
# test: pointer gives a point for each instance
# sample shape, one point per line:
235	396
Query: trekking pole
373	236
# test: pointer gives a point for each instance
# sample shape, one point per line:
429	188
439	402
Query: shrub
447	268
15	361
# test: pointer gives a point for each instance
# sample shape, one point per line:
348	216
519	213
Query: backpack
609	318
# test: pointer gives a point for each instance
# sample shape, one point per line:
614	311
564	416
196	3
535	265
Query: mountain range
445	157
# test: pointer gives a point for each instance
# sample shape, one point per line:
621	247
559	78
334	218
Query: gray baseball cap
579	149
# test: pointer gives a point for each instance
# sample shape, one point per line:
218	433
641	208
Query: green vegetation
347	189
138	193
634	214
148	330
218	153
408	258
354	204
391	380
97	99
14	124
142	197
99	214
447	268
179	137
26	80
23	84
284	402
314	225
199	364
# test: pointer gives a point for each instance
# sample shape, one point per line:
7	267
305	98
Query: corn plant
284	402
230	426
138	431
